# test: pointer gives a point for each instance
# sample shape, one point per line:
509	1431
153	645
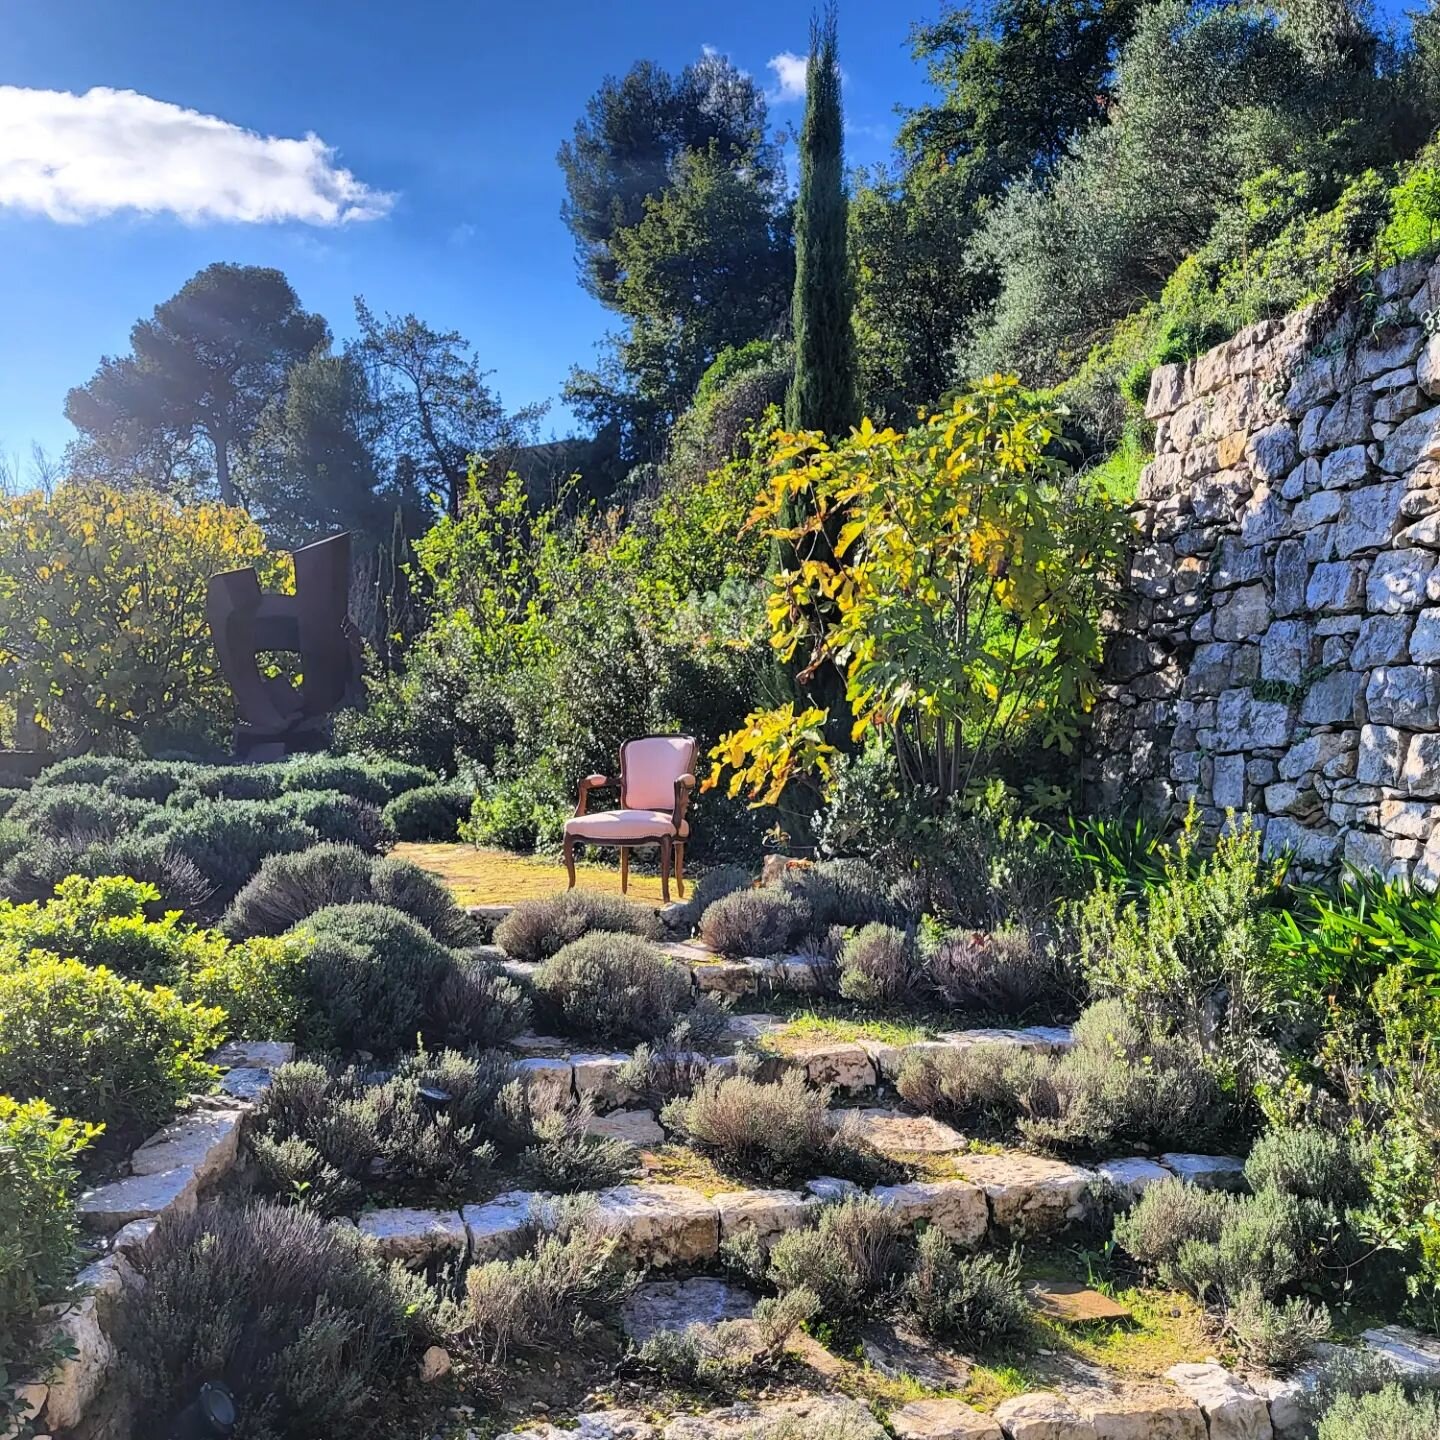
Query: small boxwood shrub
369	975
1390	1413
99	1047
231	782
330	772
538	929
327	1138
83	770
400	778
287	888
754	922
712	885
975	1299
878	965
1006	974
851	1261
226	840
152	780
308	1328
38	1187
616	989
376	978
419	894
572	1278
79	812
429	813
337	818
843	892
777	1131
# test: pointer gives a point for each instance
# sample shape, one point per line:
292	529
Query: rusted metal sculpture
277	718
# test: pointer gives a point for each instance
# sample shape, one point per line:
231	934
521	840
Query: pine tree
822	389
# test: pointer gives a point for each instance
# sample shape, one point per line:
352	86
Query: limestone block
766	1214
674	1305
894	1133
1408	819
1344	467
1142	1414
1383	640
246	1082
139	1197
78	1379
1244	615
1420	774
1424	644
1043	1415
498	1229
942	1420
1272	451
1369	518
414	1237
956	1208
842	1064
1030	1195
828	1189
1382	753
1307	846
1315	754
1264	517
1413	1355
1424	533
205	1141
1233	1411
1133	1177
1292	576
1407	696
661	1224
635	1127
546	1081
1427	366
1334	699
1246	723
1209	1172
1397	581
598	1076
1167	391
816	1415
259	1054
596	1425
1412	441
1337	586
1321	508
1227	785
1236	562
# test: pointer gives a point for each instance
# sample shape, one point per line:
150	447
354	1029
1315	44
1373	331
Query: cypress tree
822	389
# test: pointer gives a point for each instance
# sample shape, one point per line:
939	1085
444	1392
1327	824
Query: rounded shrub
153	780
400	778
475	1004
101	1048
79	812
877	964
227	839
369	975
1311	1163
336	817
843	892
83	770
306	1325
1005	974
330	772
754	922
1389	1413
235	782
287	888
614	988
429	813
537	929
418	893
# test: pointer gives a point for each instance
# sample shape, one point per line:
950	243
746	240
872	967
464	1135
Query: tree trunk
222	474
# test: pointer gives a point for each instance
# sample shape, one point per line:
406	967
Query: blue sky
446	116
441	122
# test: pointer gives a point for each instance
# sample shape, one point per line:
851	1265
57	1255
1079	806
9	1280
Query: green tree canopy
182	406
436	409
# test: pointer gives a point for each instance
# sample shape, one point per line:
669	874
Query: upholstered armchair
657	774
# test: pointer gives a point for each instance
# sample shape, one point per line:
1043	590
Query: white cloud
79	157
789	71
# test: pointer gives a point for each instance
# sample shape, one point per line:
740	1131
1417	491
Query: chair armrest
683	786
589	783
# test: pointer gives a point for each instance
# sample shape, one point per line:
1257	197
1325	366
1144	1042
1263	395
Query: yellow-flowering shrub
102	604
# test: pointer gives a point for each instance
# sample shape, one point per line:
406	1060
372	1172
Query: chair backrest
649	768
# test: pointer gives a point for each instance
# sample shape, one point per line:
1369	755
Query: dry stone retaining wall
1279	648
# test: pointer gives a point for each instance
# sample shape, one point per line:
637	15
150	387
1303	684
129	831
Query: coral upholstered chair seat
657	774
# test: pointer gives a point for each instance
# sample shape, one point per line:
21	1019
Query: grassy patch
673	1164
498	877
814	1025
